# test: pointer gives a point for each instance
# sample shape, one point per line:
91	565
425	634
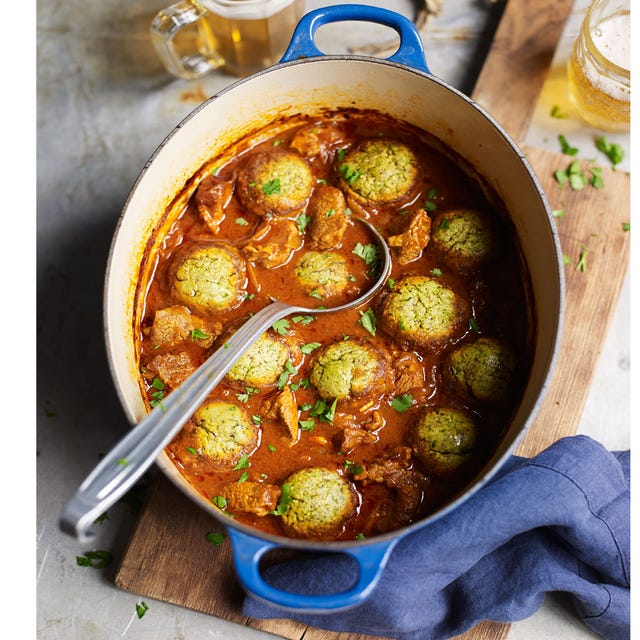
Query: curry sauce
389	409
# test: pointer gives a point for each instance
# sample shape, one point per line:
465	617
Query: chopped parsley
577	178
215	538
307	425
368	321
289	370
557	213
473	325
307	319
402	403
370	253
582	260
613	151
626	226
141	608
285	500
192	451
567	149
349	174
302	220
281	326
157	395
243	463
242	222
198	334
271	187
95	559
436	272
352	467
557	113
220	502
325	412
309	347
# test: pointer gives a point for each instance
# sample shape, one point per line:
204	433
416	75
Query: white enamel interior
312	86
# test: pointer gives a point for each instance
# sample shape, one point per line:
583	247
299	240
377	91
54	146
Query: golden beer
598	69
251	39
194	37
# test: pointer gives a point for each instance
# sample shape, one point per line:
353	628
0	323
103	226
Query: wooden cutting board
168	557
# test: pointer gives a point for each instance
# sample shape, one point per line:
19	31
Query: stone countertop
104	103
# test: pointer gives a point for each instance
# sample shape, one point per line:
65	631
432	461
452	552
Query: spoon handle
118	471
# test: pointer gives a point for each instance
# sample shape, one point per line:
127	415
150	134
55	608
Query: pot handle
410	51
247	551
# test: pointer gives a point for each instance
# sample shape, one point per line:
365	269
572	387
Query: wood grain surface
168	550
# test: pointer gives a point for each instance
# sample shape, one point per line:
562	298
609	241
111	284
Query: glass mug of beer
194	37
599	67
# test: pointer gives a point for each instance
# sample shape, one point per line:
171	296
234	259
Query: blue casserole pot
308	81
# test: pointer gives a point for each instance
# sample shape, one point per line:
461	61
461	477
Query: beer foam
245	9
612	38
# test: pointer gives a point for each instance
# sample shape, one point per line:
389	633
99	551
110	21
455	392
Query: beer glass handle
164	28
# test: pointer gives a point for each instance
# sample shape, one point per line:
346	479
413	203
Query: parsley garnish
402	403
370	253
352	467
566	147
307	425
271	187
368	321
349	174
141	608
198	334
582	260
302	220
95	559
220	502
215	538
158	394
309	347
289	370
243	463
242	222
285	500
281	326
324	412
613	151
556	113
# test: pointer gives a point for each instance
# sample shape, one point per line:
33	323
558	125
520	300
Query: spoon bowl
135	453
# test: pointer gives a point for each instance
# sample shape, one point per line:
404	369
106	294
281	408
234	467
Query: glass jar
599	67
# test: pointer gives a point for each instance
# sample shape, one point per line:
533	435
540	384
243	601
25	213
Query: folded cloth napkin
556	522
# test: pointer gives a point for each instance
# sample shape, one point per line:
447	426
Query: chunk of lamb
212	196
272	245
174	325
408	484
258	498
283	407
408	373
317	140
172	368
355	435
328	219
414	238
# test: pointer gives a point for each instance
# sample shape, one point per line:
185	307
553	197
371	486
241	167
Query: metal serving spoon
118	471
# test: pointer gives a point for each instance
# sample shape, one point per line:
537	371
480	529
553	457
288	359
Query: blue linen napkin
556	522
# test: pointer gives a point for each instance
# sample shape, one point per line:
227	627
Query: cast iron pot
308	81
